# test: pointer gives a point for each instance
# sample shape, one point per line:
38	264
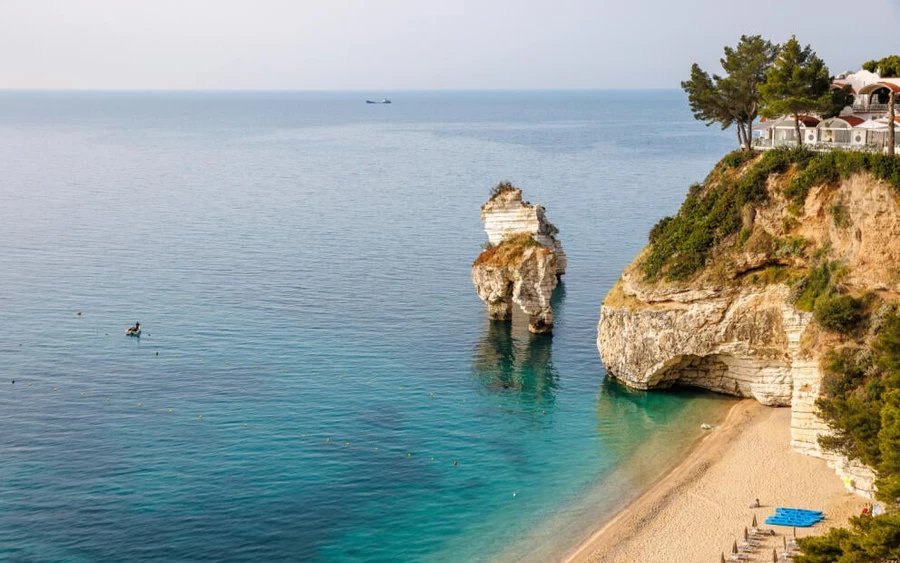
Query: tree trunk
891	124
738	133
748	133
797	130
751	115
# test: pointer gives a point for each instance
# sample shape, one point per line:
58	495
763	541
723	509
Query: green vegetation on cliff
861	404
681	246
509	252
502	188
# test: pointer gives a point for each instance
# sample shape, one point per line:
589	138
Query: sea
316	378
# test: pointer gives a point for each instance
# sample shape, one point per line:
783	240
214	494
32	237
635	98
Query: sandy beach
700	508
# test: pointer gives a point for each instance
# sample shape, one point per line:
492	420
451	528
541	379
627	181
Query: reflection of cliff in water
508	359
557	299
627	416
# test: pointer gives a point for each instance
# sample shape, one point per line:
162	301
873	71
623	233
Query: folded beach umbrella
746	534
754	521
785	542
734	547
722	560
774	555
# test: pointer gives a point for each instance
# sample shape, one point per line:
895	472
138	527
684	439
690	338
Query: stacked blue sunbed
794	517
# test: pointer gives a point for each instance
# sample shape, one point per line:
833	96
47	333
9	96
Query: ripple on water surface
316	379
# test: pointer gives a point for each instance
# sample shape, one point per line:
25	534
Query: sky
388	45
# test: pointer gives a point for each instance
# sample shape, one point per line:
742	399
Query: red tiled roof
890	86
809	120
852	120
839	85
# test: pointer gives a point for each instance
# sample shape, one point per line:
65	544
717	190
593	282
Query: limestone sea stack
751	286
522	262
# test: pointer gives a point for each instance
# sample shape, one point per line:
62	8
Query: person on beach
755	504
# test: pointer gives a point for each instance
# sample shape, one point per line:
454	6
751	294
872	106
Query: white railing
873	108
763	144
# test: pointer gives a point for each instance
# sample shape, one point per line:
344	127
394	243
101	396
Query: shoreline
698	508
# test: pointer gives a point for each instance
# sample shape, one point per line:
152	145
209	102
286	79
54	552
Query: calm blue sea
317	379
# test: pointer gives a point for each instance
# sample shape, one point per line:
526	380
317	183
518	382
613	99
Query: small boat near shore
383	101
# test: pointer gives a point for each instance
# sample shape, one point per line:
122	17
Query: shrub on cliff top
839	313
710	213
736	159
508	252
830	167
502	187
818	282
681	245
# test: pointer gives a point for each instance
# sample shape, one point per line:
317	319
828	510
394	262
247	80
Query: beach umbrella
746	535
784	538
774	555
722	560
754	521
734	547
795	531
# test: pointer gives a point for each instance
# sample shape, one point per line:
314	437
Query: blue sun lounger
794	517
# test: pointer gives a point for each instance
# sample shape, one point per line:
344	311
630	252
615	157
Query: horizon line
334	90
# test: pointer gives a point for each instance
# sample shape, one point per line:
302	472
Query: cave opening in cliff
708	372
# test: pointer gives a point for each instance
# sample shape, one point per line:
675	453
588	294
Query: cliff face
523	264
734	327
505	216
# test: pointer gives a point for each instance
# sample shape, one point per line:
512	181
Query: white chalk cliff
733	327
523	262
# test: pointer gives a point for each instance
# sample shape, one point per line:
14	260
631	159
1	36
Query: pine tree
797	83
732	99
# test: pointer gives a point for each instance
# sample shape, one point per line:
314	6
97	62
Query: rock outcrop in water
523	262
735	325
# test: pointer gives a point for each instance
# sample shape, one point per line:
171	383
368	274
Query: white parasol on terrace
872	124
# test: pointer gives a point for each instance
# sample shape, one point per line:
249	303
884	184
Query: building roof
809	120
839	85
841	122
852	120
872	87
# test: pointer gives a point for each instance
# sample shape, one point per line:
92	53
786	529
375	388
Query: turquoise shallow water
314	357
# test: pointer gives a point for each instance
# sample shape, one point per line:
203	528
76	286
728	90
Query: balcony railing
761	143
874	108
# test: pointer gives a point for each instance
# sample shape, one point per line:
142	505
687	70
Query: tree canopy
732	99
797	83
869	540
888	67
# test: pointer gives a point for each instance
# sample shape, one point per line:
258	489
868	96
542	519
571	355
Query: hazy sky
413	44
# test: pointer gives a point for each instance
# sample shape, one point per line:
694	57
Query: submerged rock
523	262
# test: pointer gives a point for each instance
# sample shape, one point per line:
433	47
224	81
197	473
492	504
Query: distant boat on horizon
383	101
